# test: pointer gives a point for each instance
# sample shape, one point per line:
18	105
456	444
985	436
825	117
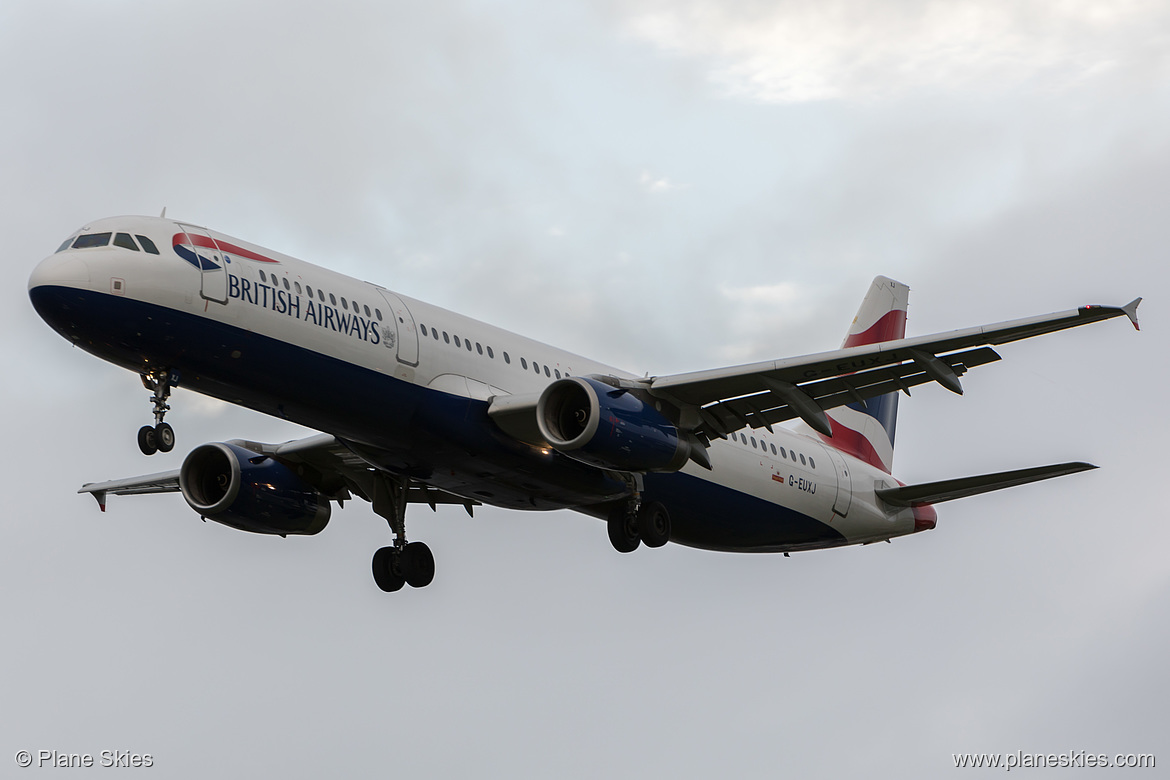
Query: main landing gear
635	523
405	563
160	437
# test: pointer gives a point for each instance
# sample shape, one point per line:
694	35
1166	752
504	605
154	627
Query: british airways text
285	302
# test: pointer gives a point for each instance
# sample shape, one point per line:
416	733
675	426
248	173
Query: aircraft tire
623	531
654	525
147	440
418	565
387	572
164	437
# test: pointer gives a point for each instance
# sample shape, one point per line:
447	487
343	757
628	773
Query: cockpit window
67	243
147	244
125	241
91	240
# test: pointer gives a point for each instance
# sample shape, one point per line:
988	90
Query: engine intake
250	492
608	427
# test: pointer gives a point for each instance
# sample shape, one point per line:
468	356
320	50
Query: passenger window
536	367
125	241
309	290
92	240
457	342
802	461
435	333
332	299
345	304
546	373
754	447
423	328
491	354
287	286
812	464
467	343
783	453
147	244
523	364
507	359
297	287
478	348
320	295
263	278
366	309
447	338
557	371
773	449
378	314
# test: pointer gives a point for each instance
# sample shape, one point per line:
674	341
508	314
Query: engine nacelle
250	492
608	427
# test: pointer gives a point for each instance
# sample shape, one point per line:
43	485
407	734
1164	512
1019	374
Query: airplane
419	404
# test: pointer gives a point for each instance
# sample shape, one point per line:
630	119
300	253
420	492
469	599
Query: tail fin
866	430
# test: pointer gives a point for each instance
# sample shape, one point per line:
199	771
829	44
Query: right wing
717	402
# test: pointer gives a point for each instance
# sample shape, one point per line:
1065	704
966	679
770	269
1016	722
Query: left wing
715	403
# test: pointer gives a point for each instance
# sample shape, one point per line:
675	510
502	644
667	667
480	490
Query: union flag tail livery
417	404
865	429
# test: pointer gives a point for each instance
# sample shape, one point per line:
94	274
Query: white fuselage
231	331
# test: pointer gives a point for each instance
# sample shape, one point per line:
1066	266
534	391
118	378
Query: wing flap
762	410
950	489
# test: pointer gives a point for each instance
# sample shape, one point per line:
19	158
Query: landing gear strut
160	437
405	563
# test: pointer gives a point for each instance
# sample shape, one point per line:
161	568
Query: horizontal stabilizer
949	489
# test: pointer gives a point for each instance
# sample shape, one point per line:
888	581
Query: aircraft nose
53	287
66	269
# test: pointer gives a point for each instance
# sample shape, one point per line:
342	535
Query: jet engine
608	427
250	492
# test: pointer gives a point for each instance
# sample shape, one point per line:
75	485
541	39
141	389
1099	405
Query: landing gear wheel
387	571
160	438
148	440
623	530
654	525
164	437
418	565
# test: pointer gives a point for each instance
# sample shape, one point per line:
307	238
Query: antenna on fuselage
163	215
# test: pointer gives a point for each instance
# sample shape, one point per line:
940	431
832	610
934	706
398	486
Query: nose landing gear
160	437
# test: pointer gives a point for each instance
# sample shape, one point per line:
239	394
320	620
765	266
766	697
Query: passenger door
213	284
406	342
844	497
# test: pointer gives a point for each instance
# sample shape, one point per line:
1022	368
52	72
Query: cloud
653	184
841	49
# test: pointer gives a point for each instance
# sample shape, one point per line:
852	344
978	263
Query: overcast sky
666	187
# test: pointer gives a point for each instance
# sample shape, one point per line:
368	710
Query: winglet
1130	310
99	495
